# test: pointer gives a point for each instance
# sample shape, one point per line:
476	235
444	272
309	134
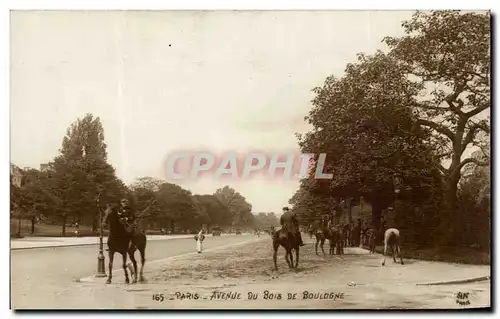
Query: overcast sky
162	81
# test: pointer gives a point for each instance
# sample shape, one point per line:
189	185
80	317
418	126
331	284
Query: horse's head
115	219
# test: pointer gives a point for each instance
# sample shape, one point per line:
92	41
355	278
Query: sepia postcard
250	160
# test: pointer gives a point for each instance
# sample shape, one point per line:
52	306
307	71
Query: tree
266	220
364	123
36	196
33	199
473	216
176	205
447	55
144	195
80	174
214	212
240	209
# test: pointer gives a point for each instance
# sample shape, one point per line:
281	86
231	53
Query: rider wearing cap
125	210
288	220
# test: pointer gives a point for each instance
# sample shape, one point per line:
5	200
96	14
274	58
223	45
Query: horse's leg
399	253
316	245
322	244
286	257
142	251
290	256
111	255
297	257
275	253
124	257
385	252
394	248
131	254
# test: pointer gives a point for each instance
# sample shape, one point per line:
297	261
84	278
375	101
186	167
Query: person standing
200	237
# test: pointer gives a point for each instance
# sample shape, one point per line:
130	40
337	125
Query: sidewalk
45	242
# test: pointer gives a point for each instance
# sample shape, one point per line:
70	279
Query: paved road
43	271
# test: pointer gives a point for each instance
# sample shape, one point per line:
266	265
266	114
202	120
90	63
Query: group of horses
337	240
126	237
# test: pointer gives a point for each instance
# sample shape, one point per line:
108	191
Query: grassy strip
247	261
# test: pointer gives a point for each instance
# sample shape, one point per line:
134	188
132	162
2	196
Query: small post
361	237
101	272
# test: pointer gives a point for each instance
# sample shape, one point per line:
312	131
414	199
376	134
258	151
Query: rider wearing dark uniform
288	221
125	210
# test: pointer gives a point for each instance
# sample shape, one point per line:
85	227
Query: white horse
392	239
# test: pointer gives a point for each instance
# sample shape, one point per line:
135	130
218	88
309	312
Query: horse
340	241
336	240
392	239
124	238
290	242
321	234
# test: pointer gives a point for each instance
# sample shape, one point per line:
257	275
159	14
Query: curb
453	282
53	246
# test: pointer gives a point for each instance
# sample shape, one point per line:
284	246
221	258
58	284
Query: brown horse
392	240
336	239
321	234
290	242
124	238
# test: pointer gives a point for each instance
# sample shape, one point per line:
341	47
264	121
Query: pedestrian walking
200	237
77	230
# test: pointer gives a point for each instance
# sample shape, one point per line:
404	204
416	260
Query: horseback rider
289	222
124	210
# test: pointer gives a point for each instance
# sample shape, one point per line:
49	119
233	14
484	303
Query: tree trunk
19	227
33	221
447	221
349	211
63	232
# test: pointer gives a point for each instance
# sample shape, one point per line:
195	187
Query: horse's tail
391	237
